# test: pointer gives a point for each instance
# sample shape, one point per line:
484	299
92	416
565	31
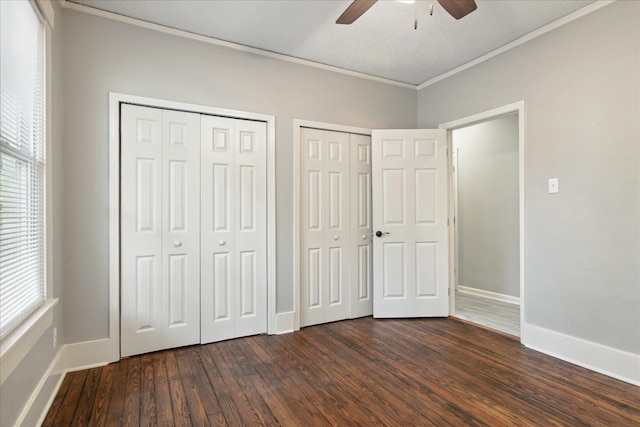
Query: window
22	163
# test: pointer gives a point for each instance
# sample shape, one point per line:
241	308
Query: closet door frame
297	125
111	345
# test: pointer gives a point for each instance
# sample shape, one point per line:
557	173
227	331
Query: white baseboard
285	322
488	294
42	397
88	354
70	357
609	361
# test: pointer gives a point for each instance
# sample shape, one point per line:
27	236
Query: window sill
15	346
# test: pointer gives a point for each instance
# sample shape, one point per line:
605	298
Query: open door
410	242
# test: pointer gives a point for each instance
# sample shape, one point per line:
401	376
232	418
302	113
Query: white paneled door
410	246
160	215
335	277
233	228
360	232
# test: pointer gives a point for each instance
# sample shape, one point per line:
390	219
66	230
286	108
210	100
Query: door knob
177	243
335	237
222	242
380	233
364	237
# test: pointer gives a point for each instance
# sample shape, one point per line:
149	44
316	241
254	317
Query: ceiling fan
456	8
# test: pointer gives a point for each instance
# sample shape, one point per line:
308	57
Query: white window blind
22	163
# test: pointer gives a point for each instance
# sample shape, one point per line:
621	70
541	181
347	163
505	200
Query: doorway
487	209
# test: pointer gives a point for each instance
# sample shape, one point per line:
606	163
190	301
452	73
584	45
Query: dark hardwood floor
360	372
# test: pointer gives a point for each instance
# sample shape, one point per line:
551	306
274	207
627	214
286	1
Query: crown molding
599	4
235	46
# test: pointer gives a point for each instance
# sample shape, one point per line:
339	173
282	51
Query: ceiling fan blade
458	8
355	11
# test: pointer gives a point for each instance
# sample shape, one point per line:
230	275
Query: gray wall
488	206
581	86
18	387
103	55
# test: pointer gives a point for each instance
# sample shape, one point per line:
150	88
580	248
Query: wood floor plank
248	410
280	408
277	384
204	386
164	409
104	397
359	372
116	410
131	414
181	415
390	390
352	398
229	413
193	399
85	405
148	411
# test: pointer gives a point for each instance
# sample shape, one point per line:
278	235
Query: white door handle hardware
222	242
335	237
364	237
177	243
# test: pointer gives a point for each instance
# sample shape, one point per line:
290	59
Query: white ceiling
382	43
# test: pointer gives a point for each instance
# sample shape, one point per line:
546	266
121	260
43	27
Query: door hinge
447	152
448	291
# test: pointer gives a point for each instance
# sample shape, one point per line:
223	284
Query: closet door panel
181	228
360	217
217	243
141	230
250	228
312	226
336	236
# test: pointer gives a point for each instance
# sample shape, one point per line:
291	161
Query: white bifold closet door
233	228
335	232
361	226
160	223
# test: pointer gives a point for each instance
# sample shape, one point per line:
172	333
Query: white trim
114	226
36	408
114	203
235	46
210	40
297	124
70	357
606	360
285	322
87	354
519	41
15	346
271	227
47	11
481	117
488	294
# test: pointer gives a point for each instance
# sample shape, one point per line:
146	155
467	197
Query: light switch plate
553	185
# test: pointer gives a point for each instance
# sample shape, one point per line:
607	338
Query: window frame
24	336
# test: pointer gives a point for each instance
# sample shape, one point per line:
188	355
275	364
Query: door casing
517	107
